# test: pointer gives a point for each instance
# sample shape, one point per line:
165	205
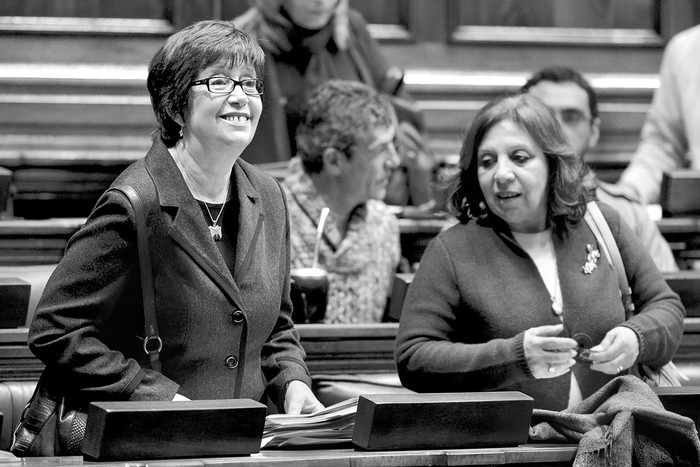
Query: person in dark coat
505	299
219	241
310	42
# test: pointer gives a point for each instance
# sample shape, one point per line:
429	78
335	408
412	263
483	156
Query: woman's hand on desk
616	352
299	399
547	355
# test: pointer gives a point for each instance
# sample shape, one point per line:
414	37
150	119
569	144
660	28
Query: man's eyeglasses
573	117
226	85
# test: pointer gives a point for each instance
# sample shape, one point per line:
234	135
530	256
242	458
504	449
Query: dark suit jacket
224	335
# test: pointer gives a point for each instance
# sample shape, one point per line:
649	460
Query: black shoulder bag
54	425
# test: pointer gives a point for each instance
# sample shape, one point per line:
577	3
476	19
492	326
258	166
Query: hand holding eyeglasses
617	351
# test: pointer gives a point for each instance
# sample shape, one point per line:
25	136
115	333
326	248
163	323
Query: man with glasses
574	102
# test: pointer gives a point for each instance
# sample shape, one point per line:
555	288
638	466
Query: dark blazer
224	335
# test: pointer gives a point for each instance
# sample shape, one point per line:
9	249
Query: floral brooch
591	260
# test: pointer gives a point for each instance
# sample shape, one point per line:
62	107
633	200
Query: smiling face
310	14
513	175
222	121
366	173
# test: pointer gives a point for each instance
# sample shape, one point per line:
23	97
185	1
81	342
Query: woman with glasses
219	244
519	295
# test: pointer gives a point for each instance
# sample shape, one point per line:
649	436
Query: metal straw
319	233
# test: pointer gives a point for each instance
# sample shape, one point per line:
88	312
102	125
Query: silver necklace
214	228
557	306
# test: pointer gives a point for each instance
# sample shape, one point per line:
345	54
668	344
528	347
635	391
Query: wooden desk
683	235
544	454
25	241
349	348
416	234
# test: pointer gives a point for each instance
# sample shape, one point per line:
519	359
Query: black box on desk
166	429
442	420
680	193
5	182
14	296
684	400
398	294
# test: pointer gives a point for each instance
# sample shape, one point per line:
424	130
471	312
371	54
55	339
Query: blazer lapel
250	222
187	227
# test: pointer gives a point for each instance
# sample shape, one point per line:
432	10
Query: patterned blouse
361	265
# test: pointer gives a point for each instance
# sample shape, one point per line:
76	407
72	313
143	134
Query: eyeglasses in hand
226	85
584	341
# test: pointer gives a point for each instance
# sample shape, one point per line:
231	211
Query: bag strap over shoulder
600	228
152	343
668	375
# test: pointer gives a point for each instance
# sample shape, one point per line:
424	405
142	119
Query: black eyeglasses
583	353
226	85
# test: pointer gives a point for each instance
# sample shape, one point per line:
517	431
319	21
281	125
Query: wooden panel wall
150	9
625	14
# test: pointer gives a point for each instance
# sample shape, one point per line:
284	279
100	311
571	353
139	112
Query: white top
540	247
670	137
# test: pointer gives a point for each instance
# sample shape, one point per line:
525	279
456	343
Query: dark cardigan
477	291
225	335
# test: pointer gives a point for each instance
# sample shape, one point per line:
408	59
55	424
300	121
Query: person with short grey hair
345	154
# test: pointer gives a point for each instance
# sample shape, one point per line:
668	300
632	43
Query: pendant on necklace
556	306
215	231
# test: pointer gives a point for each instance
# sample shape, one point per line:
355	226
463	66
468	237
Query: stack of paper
330	426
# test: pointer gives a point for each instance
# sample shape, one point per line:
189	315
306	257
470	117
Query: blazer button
237	317
231	362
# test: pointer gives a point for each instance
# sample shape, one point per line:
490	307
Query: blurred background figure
502	301
345	154
574	102
310	41
671	134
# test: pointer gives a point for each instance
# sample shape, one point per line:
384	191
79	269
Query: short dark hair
562	74
183	56
567	197
336	112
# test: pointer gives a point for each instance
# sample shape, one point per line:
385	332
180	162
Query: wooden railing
27	241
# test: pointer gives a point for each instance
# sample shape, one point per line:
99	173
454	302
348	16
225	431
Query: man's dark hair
562	74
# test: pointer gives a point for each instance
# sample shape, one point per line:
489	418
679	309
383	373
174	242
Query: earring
181	134
467	208
483	212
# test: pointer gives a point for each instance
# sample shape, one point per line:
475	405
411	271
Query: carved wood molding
80	26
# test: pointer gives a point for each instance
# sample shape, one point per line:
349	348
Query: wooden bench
69	130
26	242
42	241
682	234
451	98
